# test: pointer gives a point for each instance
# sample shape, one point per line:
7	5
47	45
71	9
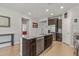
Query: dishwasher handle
40	38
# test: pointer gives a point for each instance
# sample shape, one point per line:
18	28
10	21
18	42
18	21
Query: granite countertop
41	35
31	37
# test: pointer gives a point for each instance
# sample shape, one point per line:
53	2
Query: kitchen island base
29	46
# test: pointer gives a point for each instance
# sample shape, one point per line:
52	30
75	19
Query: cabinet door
50	40
25	47
47	41
45	44
59	36
33	49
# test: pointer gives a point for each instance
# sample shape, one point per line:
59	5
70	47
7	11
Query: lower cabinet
33	49
47	41
29	47
59	37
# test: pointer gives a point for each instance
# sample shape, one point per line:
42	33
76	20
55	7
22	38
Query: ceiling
38	10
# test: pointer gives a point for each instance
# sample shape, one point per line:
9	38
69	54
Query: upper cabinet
52	25
51	21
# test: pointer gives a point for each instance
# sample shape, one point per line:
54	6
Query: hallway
58	49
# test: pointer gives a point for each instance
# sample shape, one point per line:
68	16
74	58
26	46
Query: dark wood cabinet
52	21
33	49
29	47
59	30
47	41
59	36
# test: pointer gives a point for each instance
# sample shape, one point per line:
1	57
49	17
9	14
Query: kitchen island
35	45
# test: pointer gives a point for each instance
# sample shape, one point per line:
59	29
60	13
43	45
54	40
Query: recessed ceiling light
51	14
29	13
47	10
61	7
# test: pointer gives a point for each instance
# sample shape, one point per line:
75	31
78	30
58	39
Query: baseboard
17	42
68	44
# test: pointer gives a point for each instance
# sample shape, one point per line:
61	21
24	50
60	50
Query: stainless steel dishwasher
39	45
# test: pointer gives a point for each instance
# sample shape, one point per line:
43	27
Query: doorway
25	27
55	27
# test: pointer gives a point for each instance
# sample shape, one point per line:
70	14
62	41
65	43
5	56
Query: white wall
37	31
69	27
15	24
33	31
43	27
75	26
66	28
75	15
